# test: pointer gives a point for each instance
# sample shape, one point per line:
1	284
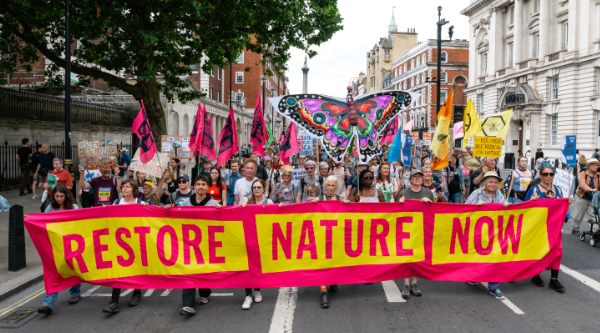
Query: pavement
12	282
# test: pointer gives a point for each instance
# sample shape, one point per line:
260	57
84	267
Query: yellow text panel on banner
487	147
325	240
490	237
119	247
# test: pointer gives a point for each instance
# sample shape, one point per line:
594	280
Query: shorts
41	178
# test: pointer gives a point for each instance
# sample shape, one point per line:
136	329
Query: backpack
303	182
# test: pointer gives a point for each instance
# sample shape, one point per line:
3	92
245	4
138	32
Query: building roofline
426	44
474	6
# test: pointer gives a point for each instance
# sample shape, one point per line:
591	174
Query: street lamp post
272	114
68	156
440	23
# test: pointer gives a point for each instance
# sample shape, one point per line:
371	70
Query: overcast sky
344	55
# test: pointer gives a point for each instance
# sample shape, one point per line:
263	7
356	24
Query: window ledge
556	101
594	97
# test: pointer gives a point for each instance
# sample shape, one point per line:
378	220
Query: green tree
155	41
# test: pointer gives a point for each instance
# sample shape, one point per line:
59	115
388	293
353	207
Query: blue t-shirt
49	209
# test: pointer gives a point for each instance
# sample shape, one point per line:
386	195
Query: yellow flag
439	142
496	126
471	124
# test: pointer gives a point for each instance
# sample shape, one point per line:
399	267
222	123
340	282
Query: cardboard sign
427	138
419	143
415	136
563	180
487	147
568	144
155	167
176	146
96	154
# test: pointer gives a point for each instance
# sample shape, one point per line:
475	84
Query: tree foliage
155	41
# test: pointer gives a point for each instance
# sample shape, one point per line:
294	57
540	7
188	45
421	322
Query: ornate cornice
474	7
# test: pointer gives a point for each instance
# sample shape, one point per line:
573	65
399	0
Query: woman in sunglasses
547	190
258	197
283	192
367	192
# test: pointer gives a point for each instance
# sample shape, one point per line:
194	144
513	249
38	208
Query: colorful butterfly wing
381	107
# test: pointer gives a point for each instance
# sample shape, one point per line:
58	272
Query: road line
506	302
126	292
581	278
148	292
89	292
392	292
221	294
101	295
283	316
22	302
166	292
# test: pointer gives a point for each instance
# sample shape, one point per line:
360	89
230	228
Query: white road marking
221	294
126	292
581	278
283	316
166	292
392	292
89	292
506	302
101	295
148	292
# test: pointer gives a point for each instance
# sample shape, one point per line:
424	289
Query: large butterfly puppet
335	121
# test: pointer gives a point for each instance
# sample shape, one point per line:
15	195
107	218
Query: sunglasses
257	187
310	168
183	181
547	174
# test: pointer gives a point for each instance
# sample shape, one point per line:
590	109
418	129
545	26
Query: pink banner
265	246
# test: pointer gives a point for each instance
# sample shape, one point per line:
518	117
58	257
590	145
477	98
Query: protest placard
487	147
306	143
96	154
427	138
176	146
568	144
155	167
406	151
415	135
563	180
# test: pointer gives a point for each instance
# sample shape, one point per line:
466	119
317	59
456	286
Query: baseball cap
148	183
415	172
184	176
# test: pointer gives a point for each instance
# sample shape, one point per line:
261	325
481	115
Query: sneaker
257	296
203	300
45	310
554	284
473	283
537	280
576	232
136	299
406	291
333	288
324	301
74	299
497	293
247	303
35	197
186	311
414	289
111	308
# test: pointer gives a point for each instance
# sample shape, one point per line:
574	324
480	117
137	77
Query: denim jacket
232	178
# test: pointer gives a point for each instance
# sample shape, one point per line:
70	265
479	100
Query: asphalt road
444	307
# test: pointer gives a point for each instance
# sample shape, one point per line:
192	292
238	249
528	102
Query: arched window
412	82
400	70
418	62
412	64
418	79
404	68
444	56
424	59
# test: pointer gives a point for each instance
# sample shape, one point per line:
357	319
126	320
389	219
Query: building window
566	36
510	54
480	102
412	81
386	52
418	62
537	6
418	79
554	89
512	15
403	85
218	95
400	70
553	129
424	59
404	68
484	57
239	96
444	57
537	46
443	96
218	73
424	78
412	64
444	77
239	77
240	59
194	68
396	72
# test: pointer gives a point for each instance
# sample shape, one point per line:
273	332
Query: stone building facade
540	58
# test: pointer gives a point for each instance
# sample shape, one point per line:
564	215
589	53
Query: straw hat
592	161
491	174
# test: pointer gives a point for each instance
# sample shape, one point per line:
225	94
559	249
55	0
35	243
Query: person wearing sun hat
589	183
489	192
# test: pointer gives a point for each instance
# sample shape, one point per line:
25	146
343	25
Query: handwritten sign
176	146
297	174
568	145
427	138
563	180
155	167
487	147
96	154
306	143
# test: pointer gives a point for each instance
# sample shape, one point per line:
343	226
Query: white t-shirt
243	188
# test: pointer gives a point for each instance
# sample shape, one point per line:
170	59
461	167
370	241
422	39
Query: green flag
270	140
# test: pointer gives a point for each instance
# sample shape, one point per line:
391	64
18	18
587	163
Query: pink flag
207	145
228	141
141	127
390	131
458	130
289	145
409	126
196	135
258	133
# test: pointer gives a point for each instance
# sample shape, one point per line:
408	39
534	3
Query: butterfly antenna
349	97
